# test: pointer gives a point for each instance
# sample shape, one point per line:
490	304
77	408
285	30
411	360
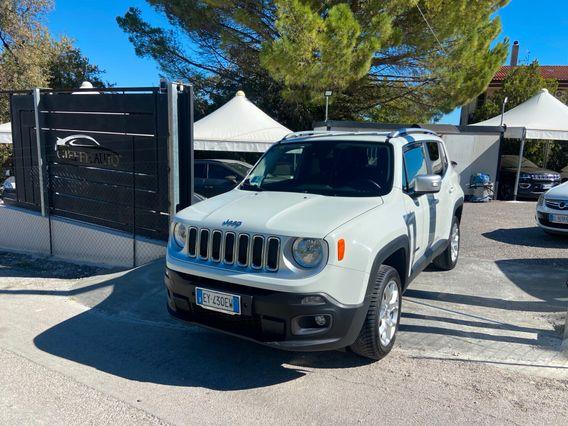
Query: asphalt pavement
481	344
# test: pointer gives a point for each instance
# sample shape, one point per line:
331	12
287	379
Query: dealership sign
86	151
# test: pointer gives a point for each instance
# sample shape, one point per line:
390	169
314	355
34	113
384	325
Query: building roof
558	72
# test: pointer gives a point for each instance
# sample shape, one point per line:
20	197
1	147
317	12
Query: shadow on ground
462	314
128	333
531	237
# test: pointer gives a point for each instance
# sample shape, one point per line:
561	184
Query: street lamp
327	95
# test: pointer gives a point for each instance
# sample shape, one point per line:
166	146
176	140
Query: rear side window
200	170
437	158
219	172
414	165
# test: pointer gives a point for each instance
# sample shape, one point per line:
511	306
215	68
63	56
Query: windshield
347	169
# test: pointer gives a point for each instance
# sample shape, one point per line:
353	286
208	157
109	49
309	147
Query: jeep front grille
242	250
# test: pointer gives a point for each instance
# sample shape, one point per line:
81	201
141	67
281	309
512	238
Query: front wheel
449	257
378	333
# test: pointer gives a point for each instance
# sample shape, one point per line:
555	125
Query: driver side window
414	164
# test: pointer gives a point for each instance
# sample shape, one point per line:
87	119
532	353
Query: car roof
223	160
402	136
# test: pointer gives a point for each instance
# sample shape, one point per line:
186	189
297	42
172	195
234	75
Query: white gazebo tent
6	133
540	117
238	126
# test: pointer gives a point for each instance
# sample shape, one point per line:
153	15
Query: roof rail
410	131
305	133
319	133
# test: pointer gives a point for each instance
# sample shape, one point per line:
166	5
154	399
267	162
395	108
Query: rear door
417	206
442	208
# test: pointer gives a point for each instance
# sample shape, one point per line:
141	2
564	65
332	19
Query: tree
380	57
69	68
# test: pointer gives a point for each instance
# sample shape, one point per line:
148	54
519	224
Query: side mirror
231	178
427	184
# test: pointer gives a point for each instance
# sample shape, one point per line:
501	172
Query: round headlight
180	234
308	252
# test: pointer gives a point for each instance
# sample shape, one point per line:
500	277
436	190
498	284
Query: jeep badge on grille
232	223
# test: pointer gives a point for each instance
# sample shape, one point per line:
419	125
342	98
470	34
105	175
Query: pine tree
380	57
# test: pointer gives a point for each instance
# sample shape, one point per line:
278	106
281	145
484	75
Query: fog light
313	300
320	320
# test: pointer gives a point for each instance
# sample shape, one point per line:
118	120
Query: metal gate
113	158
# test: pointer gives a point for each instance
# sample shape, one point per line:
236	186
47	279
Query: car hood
558	192
279	213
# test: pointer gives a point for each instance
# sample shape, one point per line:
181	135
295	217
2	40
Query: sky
540	27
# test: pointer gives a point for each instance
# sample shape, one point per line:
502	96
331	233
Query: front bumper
543	220
533	189
268	317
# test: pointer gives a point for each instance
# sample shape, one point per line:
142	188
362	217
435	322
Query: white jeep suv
313	250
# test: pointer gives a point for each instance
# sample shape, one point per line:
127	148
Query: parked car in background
8	188
564	174
214	177
533	181
552	210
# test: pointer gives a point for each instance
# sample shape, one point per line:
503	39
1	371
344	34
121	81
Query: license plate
559	218
216	301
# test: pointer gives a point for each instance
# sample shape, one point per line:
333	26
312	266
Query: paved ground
478	344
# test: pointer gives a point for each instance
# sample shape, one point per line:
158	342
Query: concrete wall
474	153
26	231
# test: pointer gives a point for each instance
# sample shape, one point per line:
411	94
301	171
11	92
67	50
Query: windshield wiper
246	185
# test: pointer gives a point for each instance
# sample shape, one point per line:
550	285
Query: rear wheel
378	333
449	257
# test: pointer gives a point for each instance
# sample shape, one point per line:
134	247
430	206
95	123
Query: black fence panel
106	157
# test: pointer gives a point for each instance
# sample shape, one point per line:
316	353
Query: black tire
368	343
445	261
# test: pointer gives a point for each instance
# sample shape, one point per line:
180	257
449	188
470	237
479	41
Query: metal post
173	149
518	178
40	153
503	109
327	94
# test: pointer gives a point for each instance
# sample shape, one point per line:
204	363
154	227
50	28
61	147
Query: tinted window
337	168
219	172
199	170
437	158
240	168
414	165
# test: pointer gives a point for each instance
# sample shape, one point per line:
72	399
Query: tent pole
518	178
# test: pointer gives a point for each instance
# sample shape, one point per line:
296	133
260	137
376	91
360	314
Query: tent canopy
6	133
540	117
239	126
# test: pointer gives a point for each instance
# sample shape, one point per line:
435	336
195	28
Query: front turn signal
340	249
